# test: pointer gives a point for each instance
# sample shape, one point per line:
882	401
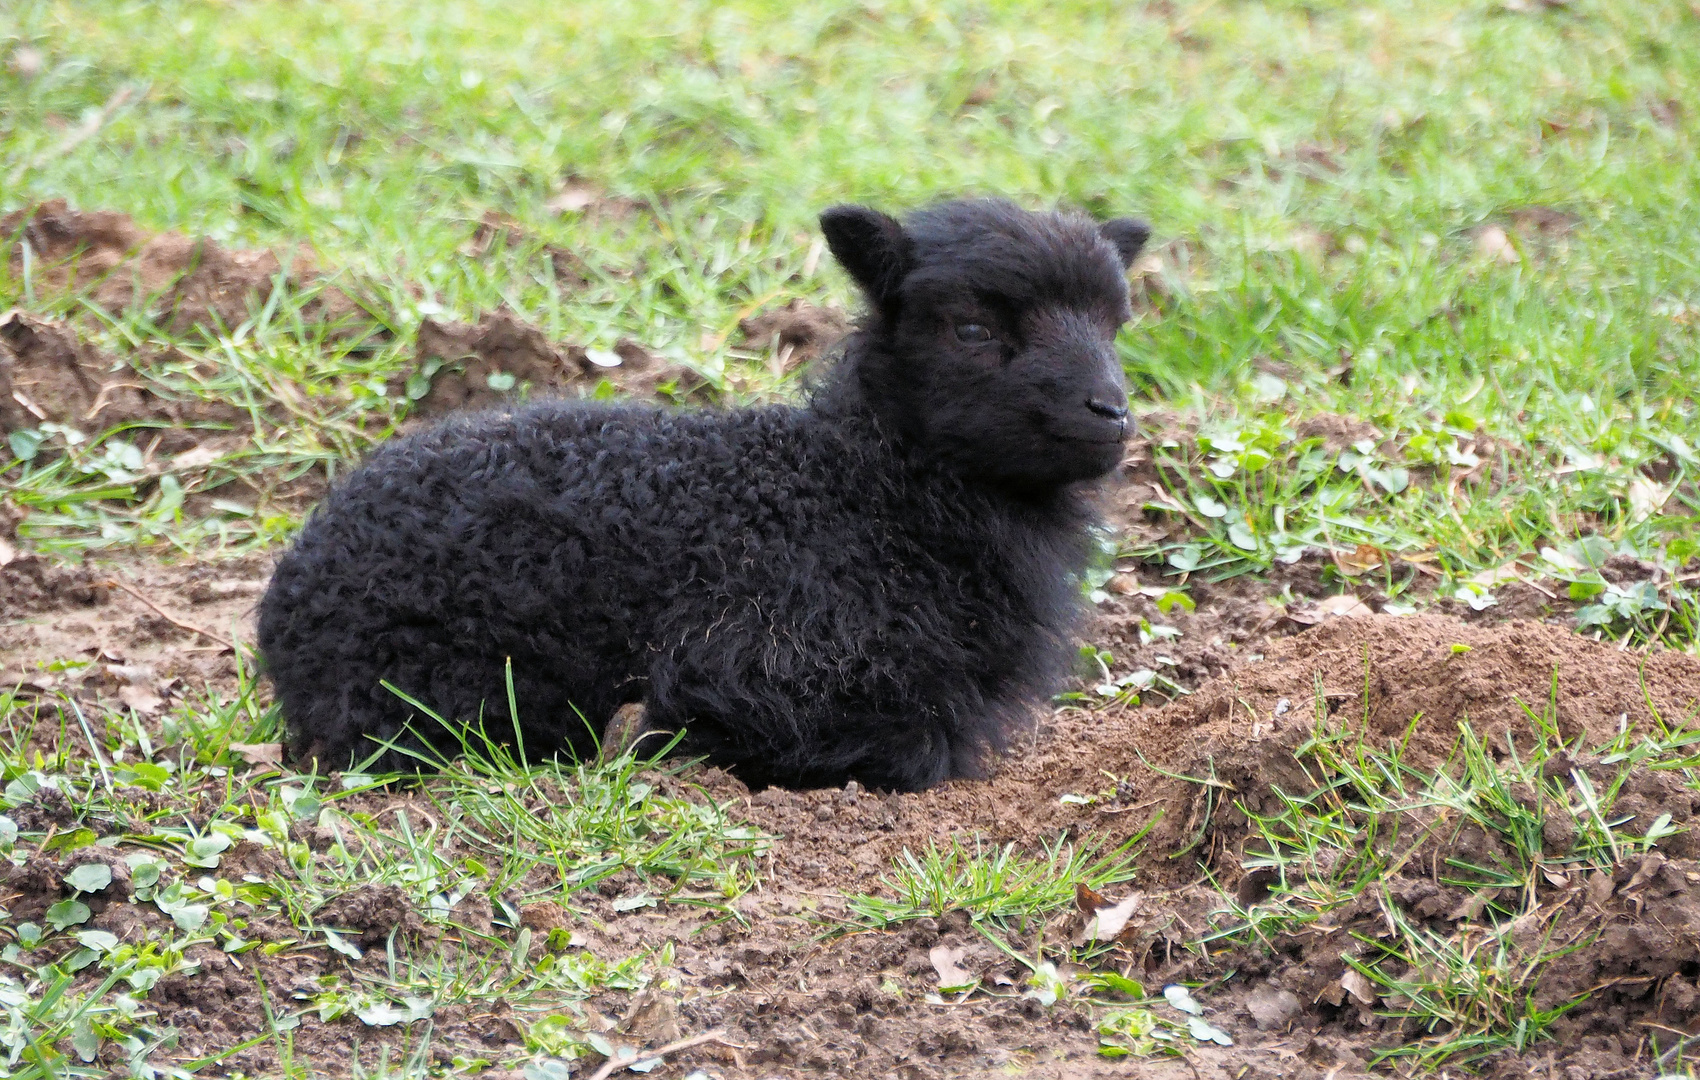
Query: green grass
998	885
484	832
1320	173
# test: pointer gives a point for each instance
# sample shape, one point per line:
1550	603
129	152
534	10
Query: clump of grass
1470	987
995	885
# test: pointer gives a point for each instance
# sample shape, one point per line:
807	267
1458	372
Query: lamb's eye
973	333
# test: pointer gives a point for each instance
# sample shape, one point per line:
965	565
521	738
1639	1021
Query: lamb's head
989	338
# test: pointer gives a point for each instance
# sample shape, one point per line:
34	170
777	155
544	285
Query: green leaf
500	381
72	840
1187	557
25	443
84	1040
89	877
347	949
144	873
67	913
1121	984
204	851
98	940
1175	598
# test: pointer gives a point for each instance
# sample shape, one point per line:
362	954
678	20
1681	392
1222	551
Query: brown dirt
183	282
48	372
51	611
459	360
794	335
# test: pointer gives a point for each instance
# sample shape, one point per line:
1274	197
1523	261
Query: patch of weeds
996	885
1505	830
1108	689
434	881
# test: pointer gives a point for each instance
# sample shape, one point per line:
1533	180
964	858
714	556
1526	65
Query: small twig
179	623
615	1064
75	138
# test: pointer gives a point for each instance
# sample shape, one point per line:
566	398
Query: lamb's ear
871	246
1128	235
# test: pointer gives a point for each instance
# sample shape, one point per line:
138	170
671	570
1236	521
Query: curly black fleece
869	586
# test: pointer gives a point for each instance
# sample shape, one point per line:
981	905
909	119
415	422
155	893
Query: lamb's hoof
623	732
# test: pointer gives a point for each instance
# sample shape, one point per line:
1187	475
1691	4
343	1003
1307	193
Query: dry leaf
1355	984
132	673
1499	575
264	753
1645	499
1087	899
7	551
948	963
1345	605
1107	922
197	457
1651	864
140	698
1360	560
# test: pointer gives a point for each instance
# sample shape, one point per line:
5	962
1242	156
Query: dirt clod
48	372
372	913
183	282
796	334
502	359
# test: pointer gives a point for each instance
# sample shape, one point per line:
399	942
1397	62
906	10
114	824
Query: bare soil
48	372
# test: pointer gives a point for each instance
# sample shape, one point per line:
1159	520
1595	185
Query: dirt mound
371	913
1413	680
504	358
1622	942
30	584
48	373
184	282
1242	728
796	334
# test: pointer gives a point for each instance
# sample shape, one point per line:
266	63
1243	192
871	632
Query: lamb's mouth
1099	439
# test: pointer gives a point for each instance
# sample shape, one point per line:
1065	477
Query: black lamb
877	585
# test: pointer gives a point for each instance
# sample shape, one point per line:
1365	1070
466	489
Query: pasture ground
1383	746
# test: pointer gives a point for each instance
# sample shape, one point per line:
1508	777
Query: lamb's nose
1109	410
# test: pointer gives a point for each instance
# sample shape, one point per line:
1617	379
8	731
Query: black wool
879	585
